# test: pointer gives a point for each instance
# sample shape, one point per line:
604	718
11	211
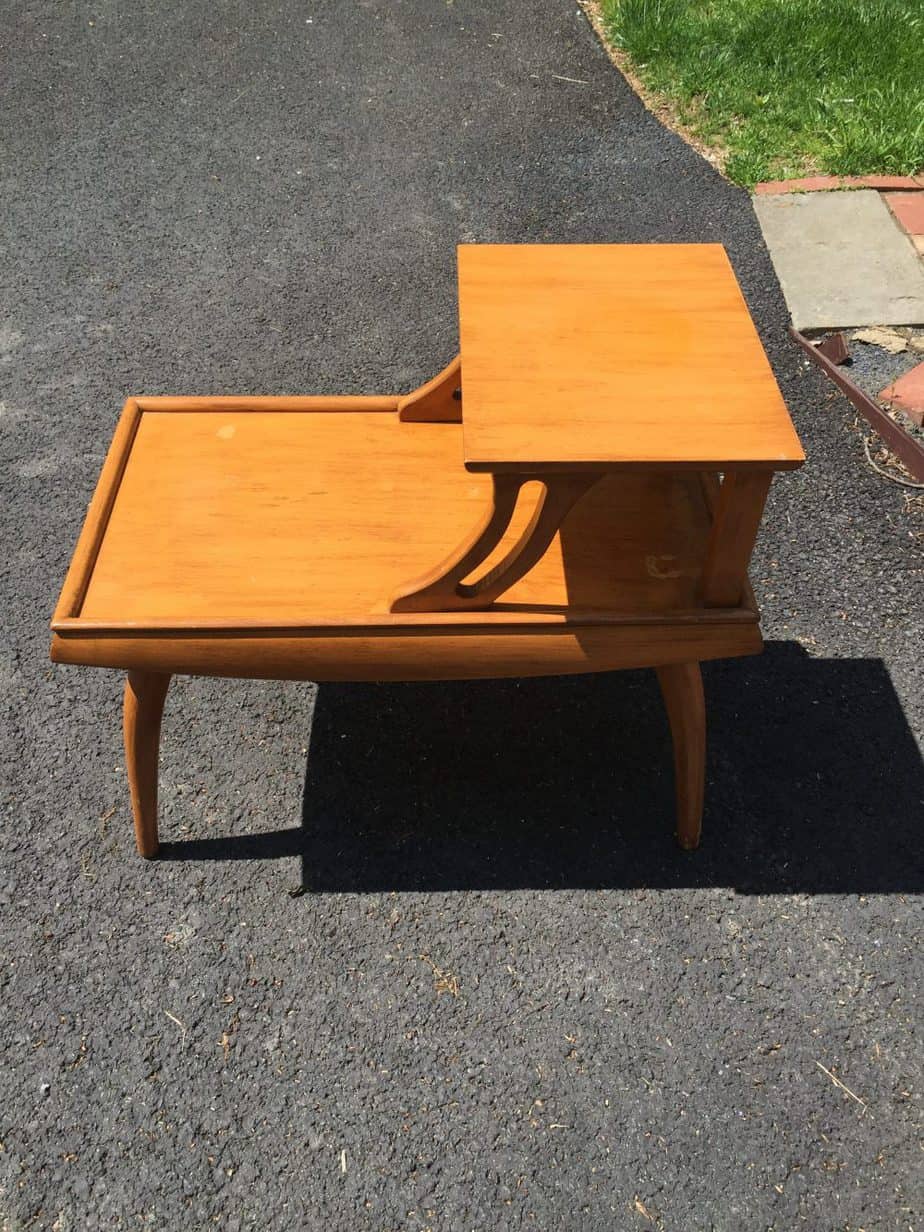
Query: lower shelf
289	518
268	542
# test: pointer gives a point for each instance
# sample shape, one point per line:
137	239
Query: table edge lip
490	622
501	466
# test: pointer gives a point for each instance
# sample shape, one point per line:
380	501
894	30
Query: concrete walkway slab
842	260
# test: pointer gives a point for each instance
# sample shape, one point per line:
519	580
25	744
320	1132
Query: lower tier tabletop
268	542
282	518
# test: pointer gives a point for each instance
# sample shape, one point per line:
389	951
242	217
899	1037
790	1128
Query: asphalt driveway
423	956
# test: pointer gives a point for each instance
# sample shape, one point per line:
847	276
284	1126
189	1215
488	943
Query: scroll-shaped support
443	589
439	401
736	512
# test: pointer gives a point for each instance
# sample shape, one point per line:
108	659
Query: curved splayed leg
145	693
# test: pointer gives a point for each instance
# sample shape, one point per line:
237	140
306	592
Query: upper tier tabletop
614	355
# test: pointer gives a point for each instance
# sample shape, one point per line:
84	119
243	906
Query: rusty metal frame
901	443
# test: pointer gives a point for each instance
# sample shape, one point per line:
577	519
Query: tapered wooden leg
145	693
682	690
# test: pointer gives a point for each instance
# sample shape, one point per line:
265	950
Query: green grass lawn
786	87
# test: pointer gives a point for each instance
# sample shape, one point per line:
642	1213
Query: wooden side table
578	491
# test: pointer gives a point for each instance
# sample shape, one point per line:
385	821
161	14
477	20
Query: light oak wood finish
96	522
738	509
420	653
628	355
283	519
316	403
439	401
279	538
682	690
443	588
145	693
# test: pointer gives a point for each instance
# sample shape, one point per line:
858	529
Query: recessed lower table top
630	355
293	519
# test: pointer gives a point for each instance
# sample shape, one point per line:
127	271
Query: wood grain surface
629	355
427	653
293	519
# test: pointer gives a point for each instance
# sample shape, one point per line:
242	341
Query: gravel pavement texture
423	957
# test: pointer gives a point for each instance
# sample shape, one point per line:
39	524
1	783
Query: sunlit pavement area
424	956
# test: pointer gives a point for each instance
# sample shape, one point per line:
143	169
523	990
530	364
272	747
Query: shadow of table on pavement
814	785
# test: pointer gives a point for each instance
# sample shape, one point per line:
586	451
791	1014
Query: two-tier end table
578	491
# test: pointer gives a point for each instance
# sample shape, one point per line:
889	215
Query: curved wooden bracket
443	589
439	401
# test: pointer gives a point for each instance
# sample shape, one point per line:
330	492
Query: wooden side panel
736	520
413	656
